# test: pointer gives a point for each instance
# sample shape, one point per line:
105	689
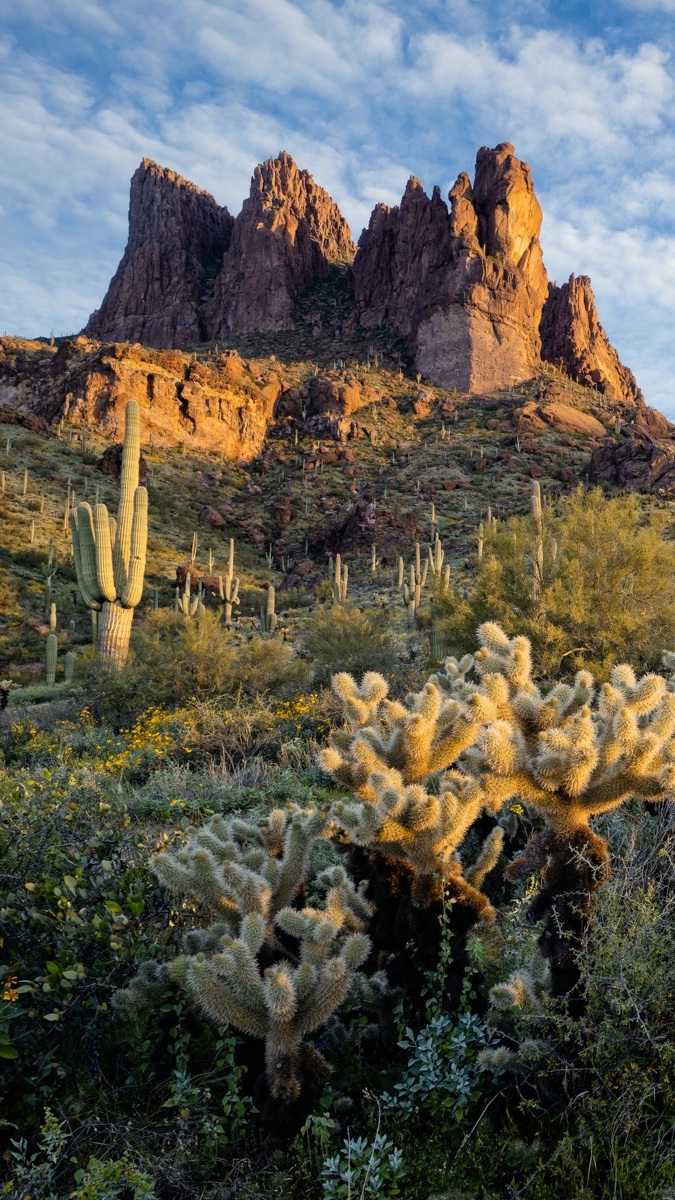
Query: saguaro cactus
50	659
340	582
110	554
268	616
228	589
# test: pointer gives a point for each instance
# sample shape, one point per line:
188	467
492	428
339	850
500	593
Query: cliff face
177	237
465	286
573	339
286	237
224	406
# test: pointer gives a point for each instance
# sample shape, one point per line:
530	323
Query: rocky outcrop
466	287
338	395
225	405
533	417
177	237
285	238
635	463
573	339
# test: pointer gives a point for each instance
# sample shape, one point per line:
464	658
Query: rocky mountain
468	287
177	237
285	238
464	286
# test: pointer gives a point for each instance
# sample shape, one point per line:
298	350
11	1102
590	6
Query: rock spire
286	237
177	237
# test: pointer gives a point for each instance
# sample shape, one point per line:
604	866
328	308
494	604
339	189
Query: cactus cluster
271	965
412	591
110	554
186	603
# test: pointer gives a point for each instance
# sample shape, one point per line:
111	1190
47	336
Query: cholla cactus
569	752
110	554
270	967
387	757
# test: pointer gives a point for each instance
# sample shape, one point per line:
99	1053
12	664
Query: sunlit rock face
573	339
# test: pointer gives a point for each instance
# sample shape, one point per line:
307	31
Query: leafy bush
174	661
607	594
346	639
363	1169
266	665
443	1075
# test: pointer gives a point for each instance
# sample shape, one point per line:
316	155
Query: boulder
110	463
637	464
210	516
533	417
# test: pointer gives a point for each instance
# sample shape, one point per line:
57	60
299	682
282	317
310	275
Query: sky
362	93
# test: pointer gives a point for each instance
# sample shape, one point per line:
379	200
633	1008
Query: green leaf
8	1052
53	968
70	882
113	906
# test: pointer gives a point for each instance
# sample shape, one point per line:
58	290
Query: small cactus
340	581
50	657
69	667
268	616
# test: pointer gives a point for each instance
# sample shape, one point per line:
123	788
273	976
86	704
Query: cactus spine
268	617
51	652
110	554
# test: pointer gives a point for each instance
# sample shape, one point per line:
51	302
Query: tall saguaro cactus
110	554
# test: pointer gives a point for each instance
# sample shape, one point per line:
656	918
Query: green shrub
344	638
608	591
267	665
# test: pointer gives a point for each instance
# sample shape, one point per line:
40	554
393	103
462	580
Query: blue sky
363	93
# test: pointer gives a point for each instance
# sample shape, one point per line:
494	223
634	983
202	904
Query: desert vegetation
338	851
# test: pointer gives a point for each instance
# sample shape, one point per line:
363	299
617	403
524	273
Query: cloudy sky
363	93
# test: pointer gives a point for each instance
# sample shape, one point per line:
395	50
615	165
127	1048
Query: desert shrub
371	1170
266	664
607	593
347	639
173	660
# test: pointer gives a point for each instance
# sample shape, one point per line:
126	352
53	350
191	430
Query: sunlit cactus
110	554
